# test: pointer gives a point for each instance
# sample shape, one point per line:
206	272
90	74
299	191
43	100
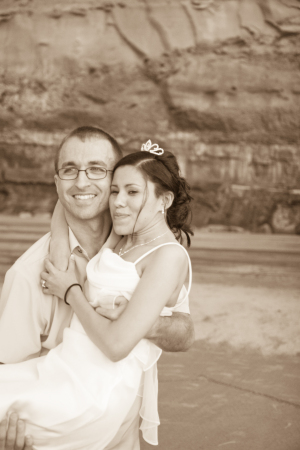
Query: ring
44	284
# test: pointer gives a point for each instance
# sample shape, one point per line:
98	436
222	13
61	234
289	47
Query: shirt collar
75	247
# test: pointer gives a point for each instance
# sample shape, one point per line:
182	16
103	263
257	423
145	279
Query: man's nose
82	180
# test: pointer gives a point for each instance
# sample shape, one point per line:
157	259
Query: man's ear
56	178
168	198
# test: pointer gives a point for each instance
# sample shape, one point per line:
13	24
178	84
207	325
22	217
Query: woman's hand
55	282
113	314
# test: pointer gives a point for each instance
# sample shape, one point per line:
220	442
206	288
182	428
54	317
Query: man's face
83	198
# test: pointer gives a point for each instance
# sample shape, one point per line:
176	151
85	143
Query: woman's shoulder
167	258
171	251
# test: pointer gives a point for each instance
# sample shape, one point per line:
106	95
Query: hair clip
152	148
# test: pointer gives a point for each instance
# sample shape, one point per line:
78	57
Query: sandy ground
259	318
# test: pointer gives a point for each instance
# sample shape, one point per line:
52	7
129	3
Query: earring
163	209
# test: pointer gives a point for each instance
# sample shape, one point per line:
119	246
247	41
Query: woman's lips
120	216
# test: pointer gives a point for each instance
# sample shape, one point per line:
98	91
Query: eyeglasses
93	173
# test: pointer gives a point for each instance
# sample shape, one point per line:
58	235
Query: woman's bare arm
158	282
59	245
170	333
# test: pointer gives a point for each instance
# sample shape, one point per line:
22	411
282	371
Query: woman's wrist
72	292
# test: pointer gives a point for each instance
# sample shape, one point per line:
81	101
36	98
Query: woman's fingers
49	266
55	282
113	314
46	283
108	313
45	276
120	301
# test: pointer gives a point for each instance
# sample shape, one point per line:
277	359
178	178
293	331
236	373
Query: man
31	323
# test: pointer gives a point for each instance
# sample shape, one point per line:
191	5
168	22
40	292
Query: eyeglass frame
83	170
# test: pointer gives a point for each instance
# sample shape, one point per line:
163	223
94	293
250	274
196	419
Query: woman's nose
119	200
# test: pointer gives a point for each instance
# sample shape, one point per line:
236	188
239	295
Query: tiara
152	148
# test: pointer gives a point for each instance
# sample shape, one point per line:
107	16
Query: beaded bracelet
65	297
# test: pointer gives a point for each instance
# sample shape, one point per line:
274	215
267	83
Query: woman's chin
121	230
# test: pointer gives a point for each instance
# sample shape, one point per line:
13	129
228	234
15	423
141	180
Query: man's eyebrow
90	163
98	163
68	163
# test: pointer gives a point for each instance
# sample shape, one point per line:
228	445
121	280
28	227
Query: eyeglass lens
93	173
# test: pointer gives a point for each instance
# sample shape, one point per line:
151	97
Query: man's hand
12	434
113	314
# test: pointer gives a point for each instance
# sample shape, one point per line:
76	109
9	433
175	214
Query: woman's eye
113	192
132	192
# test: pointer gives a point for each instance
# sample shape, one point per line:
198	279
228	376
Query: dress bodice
107	273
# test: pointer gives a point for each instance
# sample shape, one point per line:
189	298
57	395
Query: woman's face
133	203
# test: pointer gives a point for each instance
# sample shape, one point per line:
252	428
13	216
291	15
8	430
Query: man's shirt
32	322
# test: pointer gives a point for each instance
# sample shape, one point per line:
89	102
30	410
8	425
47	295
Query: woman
101	366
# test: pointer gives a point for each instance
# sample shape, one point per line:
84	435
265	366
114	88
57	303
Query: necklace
139	245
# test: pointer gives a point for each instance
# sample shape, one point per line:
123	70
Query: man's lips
84	196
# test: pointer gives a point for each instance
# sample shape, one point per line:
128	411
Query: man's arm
173	333
170	333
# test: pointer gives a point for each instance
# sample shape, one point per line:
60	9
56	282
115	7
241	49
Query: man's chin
88	211
84	213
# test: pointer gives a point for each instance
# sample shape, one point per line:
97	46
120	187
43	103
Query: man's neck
91	234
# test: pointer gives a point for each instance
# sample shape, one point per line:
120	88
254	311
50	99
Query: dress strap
188	257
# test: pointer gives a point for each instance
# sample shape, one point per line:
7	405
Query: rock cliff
215	81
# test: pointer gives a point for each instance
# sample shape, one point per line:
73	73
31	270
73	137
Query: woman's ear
168	198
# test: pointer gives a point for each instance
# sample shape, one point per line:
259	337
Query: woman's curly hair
163	170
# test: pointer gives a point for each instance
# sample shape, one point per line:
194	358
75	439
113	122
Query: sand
259	318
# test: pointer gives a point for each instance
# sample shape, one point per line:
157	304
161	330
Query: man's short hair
87	132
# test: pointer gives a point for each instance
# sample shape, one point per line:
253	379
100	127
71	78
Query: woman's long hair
163	170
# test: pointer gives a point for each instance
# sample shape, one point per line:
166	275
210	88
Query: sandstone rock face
215	81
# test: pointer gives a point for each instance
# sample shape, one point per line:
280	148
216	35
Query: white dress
75	397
